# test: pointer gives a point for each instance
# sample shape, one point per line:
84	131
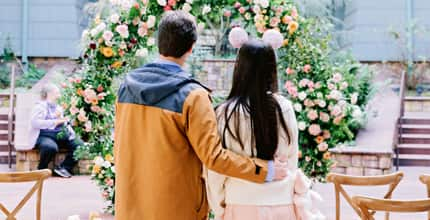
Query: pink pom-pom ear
237	37
274	38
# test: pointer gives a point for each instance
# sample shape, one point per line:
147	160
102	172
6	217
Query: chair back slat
339	180
368	203
19	177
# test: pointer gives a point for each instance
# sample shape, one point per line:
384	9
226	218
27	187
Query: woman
256	122
49	130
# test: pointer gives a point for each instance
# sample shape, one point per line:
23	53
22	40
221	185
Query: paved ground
78	195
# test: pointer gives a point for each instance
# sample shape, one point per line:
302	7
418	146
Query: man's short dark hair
176	33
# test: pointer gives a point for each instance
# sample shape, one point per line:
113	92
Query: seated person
49	129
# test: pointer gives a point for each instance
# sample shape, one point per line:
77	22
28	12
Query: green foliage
32	76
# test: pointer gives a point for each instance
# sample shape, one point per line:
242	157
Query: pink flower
326	134
90	95
287	19
288	84
319	164
274	38
314	129
95	108
242	10
337	120
73	110
312	115
82	117
142	31
101	96
122	30
307	68
331	86
303	82
63	85
322	147
78	80
354	98
317	85
336	110
344	85
294	13
172	3
100	88
307	158
227	13
337	77
237	37
107	35
109	182
302	96
324	117
274	21
105	194
88	126
322	103
308	103
292	91
289	71
237	5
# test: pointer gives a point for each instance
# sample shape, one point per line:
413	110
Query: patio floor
79	196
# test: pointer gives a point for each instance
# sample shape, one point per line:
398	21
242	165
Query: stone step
417	99
417	120
415	129
415	139
414	149
412	160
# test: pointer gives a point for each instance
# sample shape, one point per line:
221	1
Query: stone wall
217	74
361	162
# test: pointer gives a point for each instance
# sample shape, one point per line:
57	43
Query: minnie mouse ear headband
238	36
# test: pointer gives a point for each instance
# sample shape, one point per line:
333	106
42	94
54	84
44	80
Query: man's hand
281	170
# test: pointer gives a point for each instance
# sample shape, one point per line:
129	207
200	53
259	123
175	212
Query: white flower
206	9
107	164
319	95
98	161
85	33
162	2
264	3
186	7
322	103
344	85
302	95
123	45
354	98
336	95
256	9
357	113
298	107
142	52
301	125
113	169
109	43
151	21
99	28
126	5
151	41
114	18
189	1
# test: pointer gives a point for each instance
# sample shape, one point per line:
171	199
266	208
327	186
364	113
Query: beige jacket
229	190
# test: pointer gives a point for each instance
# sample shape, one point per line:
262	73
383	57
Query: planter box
361	161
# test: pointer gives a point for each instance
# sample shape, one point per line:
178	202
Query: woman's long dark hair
254	83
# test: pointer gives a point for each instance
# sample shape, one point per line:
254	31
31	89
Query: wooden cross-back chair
369	205
392	180
425	179
37	176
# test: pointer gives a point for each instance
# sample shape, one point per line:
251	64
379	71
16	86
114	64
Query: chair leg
337	204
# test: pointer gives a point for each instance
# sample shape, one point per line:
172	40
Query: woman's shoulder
286	104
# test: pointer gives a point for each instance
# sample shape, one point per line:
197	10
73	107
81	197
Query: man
49	130
166	130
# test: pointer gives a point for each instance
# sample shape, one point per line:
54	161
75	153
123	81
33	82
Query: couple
167	134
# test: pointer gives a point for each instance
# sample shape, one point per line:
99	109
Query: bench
27	160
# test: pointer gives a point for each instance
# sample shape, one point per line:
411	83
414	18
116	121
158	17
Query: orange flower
292	27
116	64
100	40
94	101
319	139
96	169
64	105
80	92
285	43
300	154
107	51
327	155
